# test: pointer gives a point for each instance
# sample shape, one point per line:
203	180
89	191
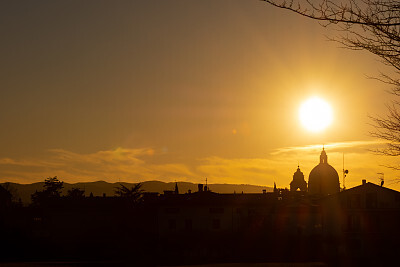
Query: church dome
323	179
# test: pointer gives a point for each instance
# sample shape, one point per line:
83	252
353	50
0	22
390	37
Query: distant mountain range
24	191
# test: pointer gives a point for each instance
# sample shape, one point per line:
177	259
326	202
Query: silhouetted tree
11	190
5	198
76	193
134	194
52	190
53	186
371	25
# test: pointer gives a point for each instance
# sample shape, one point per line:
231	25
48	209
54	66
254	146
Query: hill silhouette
98	188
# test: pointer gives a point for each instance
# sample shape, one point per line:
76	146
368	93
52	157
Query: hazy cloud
333	146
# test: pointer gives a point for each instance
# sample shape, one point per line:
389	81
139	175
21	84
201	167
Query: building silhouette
363	222
358	225
352	227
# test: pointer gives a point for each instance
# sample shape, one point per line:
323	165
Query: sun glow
315	114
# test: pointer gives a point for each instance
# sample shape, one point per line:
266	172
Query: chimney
364	182
200	187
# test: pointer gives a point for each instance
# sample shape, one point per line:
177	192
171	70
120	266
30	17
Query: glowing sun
315	114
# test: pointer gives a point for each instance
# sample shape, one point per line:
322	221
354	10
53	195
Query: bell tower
298	181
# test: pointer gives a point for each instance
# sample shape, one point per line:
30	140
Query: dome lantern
323	158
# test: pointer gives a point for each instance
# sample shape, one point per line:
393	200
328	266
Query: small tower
298	181
176	188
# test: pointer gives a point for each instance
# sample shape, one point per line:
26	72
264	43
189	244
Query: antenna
345	172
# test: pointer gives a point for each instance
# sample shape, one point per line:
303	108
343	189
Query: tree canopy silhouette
76	193
12	191
52	190
53	186
370	25
133	194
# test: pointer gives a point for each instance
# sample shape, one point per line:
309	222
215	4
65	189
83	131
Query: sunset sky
179	91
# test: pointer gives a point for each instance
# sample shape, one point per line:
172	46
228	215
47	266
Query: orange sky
179	90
